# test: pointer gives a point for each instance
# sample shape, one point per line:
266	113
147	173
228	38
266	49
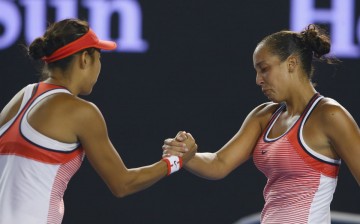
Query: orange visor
86	41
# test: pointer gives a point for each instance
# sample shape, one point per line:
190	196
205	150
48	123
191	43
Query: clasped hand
183	145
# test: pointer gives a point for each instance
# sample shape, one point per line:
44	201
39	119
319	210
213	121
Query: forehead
262	54
261	50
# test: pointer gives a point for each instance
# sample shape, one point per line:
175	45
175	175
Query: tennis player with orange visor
46	130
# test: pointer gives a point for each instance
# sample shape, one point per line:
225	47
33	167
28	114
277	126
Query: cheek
267	77
99	68
96	70
276	77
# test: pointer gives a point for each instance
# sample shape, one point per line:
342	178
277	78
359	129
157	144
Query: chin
87	90
274	100
85	93
277	100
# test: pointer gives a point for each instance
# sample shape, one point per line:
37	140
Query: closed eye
264	69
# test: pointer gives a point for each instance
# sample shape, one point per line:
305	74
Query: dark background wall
197	75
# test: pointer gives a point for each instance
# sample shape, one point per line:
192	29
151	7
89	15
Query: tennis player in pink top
297	140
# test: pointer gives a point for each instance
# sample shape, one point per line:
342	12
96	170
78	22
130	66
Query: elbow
120	191
217	177
122	187
220	173
120	194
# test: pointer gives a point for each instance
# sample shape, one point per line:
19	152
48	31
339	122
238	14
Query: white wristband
174	163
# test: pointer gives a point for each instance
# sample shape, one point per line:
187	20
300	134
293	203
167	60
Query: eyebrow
259	63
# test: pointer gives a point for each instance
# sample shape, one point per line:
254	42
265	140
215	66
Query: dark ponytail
37	48
317	41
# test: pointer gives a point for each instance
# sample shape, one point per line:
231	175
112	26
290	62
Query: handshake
178	151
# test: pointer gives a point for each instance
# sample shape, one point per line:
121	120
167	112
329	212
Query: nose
259	80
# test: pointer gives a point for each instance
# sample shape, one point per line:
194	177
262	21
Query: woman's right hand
183	145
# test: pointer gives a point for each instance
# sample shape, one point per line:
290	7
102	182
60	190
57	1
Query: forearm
137	179
206	165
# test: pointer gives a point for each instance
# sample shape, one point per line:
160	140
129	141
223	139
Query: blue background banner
181	65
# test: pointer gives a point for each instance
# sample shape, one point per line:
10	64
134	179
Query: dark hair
312	43
56	36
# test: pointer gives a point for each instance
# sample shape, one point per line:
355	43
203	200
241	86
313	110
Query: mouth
267	92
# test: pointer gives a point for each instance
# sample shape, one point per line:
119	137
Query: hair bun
37	48
315	38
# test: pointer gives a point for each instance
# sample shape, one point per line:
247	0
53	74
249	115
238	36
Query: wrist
173	163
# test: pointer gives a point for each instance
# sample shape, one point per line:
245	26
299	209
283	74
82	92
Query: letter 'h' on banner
340	17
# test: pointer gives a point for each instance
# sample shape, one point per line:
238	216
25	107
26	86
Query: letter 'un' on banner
35	17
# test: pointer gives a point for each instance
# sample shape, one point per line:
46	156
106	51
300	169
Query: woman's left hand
178	146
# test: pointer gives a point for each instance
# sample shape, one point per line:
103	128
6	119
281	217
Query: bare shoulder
89	124
79	115
267	107
329	109
64	108
89	111
262	113
265	110
331	115
81	109
328	103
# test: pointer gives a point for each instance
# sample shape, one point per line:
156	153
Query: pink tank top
300	182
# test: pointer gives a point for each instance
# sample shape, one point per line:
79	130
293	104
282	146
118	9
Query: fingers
173	147
170	152
173	143
182	145
192	146
181	136
188	135
189	141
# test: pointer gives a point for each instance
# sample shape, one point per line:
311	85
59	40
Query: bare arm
343	134
219	164
92	133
